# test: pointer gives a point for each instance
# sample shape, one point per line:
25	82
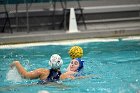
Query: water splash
43	91
13	75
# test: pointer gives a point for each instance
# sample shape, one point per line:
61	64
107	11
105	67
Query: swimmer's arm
63	76
83	77
67	75
38	73
88	76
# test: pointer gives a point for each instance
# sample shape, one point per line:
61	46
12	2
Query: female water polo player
74	68
45	75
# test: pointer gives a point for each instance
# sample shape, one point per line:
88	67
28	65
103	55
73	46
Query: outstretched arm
67	75
38	73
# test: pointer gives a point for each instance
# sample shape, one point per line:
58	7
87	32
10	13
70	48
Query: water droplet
137	80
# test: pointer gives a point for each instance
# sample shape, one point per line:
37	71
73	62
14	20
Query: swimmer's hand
70	74
14	64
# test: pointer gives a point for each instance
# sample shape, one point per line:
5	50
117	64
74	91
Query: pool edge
68	42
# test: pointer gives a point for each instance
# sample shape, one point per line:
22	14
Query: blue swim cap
80	63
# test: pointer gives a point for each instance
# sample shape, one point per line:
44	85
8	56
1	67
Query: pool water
114	68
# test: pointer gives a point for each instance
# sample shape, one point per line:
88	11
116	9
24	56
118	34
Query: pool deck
126	26
96	31
100	30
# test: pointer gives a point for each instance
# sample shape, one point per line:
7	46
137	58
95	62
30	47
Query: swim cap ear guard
55	61
80	64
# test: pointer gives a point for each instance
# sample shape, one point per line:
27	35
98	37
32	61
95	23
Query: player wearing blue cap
75	66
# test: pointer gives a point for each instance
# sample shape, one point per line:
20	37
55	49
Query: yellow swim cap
75	52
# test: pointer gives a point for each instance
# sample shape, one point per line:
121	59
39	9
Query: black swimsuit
53	77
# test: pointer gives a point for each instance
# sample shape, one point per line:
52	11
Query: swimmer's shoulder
44	73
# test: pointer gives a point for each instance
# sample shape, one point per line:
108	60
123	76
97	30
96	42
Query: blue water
116	66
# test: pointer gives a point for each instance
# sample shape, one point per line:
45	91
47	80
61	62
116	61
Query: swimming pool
115	64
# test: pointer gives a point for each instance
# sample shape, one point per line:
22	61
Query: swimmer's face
74	65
